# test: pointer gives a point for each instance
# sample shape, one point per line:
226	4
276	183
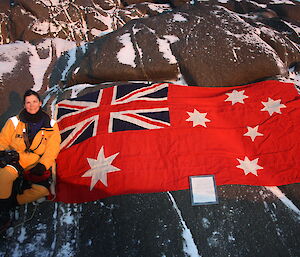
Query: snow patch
282	2
276	191
165	49
294	27
50	2
215	239
160	8
134	30
62	45
22	235
96	32
180	80
9	54
75	90
205	223
127	54
38	66
41	27
67	218
178	17
66	250
171	38
189	246
294	77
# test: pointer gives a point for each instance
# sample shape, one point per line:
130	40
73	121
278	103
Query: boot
5	220
5	206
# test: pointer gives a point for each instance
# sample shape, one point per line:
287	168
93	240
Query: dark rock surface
248	221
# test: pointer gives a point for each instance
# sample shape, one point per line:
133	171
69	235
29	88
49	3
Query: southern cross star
100	167
236	97
272	106
197	118
249	166
253	133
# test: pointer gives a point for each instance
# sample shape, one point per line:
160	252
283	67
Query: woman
29	145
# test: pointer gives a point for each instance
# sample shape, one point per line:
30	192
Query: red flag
153	138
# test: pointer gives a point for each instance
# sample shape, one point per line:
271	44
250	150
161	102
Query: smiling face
32	104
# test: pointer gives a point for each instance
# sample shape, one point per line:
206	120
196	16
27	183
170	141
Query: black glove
3	162
8	157
38	169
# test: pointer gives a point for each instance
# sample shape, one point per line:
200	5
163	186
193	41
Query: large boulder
208	44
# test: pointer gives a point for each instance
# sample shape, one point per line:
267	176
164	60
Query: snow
67	218
189	245
22	235
38	66
126	55
282	2
293	77
234	53
276	191
41	27
171	38
66	250
9	55
107	20
165	49
205	223
62	45
75	90
160	8
180	80
295	28
96	32
178	17
50	2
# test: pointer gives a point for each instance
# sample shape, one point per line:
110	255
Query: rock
208	45
78	21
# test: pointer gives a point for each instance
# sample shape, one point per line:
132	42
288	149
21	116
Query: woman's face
32	104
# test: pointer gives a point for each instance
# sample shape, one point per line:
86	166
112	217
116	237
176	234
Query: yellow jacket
44	148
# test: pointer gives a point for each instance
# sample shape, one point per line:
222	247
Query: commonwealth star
100	167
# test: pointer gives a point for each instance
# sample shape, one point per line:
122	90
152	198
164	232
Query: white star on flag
197	118
236	97
272	106
253	133
100	167
249	166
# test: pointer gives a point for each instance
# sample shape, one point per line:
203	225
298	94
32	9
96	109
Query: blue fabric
33	129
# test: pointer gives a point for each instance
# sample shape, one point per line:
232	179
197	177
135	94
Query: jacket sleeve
52	148
6	134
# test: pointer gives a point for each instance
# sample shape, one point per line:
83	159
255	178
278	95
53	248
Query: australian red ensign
140	138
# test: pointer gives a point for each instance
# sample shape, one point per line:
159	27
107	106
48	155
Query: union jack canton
119	108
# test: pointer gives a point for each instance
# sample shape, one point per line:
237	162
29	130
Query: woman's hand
8	157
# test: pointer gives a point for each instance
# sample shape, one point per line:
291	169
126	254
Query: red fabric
35	178
163	159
